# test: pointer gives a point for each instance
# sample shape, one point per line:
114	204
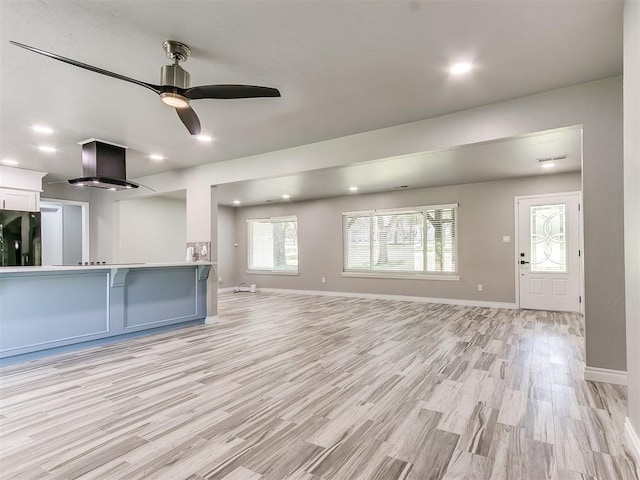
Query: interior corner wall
632	202
485	215
227	270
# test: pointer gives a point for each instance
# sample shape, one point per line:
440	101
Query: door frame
85	221
56	211
516	240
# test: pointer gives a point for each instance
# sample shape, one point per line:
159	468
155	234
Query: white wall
152	230
632	202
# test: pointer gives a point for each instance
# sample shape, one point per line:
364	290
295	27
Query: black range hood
103	166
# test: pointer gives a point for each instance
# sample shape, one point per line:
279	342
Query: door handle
522	262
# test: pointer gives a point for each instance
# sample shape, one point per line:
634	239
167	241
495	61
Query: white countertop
108	266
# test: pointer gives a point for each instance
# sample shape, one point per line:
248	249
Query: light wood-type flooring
311	387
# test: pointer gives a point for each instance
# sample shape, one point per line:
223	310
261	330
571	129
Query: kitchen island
48	307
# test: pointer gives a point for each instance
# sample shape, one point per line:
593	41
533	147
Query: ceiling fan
174	89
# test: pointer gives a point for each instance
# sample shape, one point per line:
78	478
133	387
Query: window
413	241
273	244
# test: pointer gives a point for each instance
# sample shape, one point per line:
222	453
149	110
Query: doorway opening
65	231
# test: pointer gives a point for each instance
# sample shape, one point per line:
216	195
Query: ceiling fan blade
230	91
101	71
190	120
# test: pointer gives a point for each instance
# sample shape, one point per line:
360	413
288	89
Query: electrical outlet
506	239
479	287
324	280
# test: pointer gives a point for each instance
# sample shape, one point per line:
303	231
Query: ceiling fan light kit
174	100
174	89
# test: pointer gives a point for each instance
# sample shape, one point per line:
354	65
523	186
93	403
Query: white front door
548	256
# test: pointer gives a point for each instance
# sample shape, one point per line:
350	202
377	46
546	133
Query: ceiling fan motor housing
174	76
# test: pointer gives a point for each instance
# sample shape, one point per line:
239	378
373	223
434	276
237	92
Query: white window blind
412	241
273	244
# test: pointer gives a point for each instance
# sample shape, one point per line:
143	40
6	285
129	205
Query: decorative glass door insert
548	238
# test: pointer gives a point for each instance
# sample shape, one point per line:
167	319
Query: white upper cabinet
20	189
19	200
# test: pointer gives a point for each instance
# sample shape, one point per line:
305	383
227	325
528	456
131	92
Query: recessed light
79	184
353	189
9	161
42	129
204	138
548	165
460	68
236	202
47	148
113	189
156	156
286	197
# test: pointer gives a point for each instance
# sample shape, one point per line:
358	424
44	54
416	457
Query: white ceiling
343	67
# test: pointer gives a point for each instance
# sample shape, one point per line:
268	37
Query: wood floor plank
506	454
572	446
305	387
513	408
478	433
242	473
465	466
539	460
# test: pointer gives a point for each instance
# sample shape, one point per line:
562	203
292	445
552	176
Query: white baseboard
211	320
226	289
605	375
632	438
380	296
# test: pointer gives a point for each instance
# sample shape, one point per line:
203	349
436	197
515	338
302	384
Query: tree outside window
421	240
273	244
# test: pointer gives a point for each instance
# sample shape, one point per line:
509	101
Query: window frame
399	274
272	271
